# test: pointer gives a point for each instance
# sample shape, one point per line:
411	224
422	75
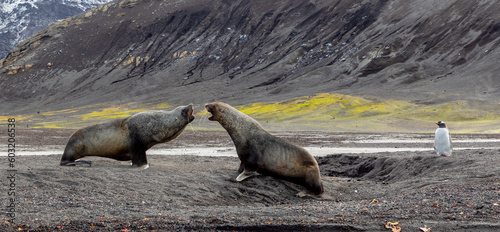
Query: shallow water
314	150
406	141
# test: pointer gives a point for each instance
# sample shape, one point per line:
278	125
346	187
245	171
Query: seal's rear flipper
79	162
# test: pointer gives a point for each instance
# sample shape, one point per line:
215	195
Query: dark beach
199	193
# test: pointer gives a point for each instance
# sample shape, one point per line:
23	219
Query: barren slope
249	51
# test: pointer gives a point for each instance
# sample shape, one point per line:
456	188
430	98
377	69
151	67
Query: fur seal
262	153
442	143
127	138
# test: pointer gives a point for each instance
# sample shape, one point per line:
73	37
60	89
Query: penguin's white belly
442	142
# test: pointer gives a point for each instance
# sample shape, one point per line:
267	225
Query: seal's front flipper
79	162
144	166
306	193
242	167
138	151
246	174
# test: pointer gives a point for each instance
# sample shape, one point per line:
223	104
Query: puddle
230	151
352	145
406	141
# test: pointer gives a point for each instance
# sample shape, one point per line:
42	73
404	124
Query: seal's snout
210	108
190	112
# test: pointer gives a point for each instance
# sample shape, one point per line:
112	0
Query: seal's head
215	109
228	116
188	112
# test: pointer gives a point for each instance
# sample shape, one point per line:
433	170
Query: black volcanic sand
362	191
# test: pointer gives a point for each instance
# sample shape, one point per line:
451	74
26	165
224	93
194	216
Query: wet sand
363	191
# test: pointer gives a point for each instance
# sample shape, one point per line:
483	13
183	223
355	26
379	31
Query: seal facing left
263	153
127	138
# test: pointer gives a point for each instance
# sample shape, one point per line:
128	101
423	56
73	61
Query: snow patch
16	15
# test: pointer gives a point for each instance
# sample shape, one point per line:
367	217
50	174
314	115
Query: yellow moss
331	112
18	118
202	113
119	111
81	116
59	112
316	107
161	106
50	125
336	111
107	113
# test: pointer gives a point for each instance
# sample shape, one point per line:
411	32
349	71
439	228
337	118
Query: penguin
442	143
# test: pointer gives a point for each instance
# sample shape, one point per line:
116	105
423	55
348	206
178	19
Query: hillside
20	19
241	52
